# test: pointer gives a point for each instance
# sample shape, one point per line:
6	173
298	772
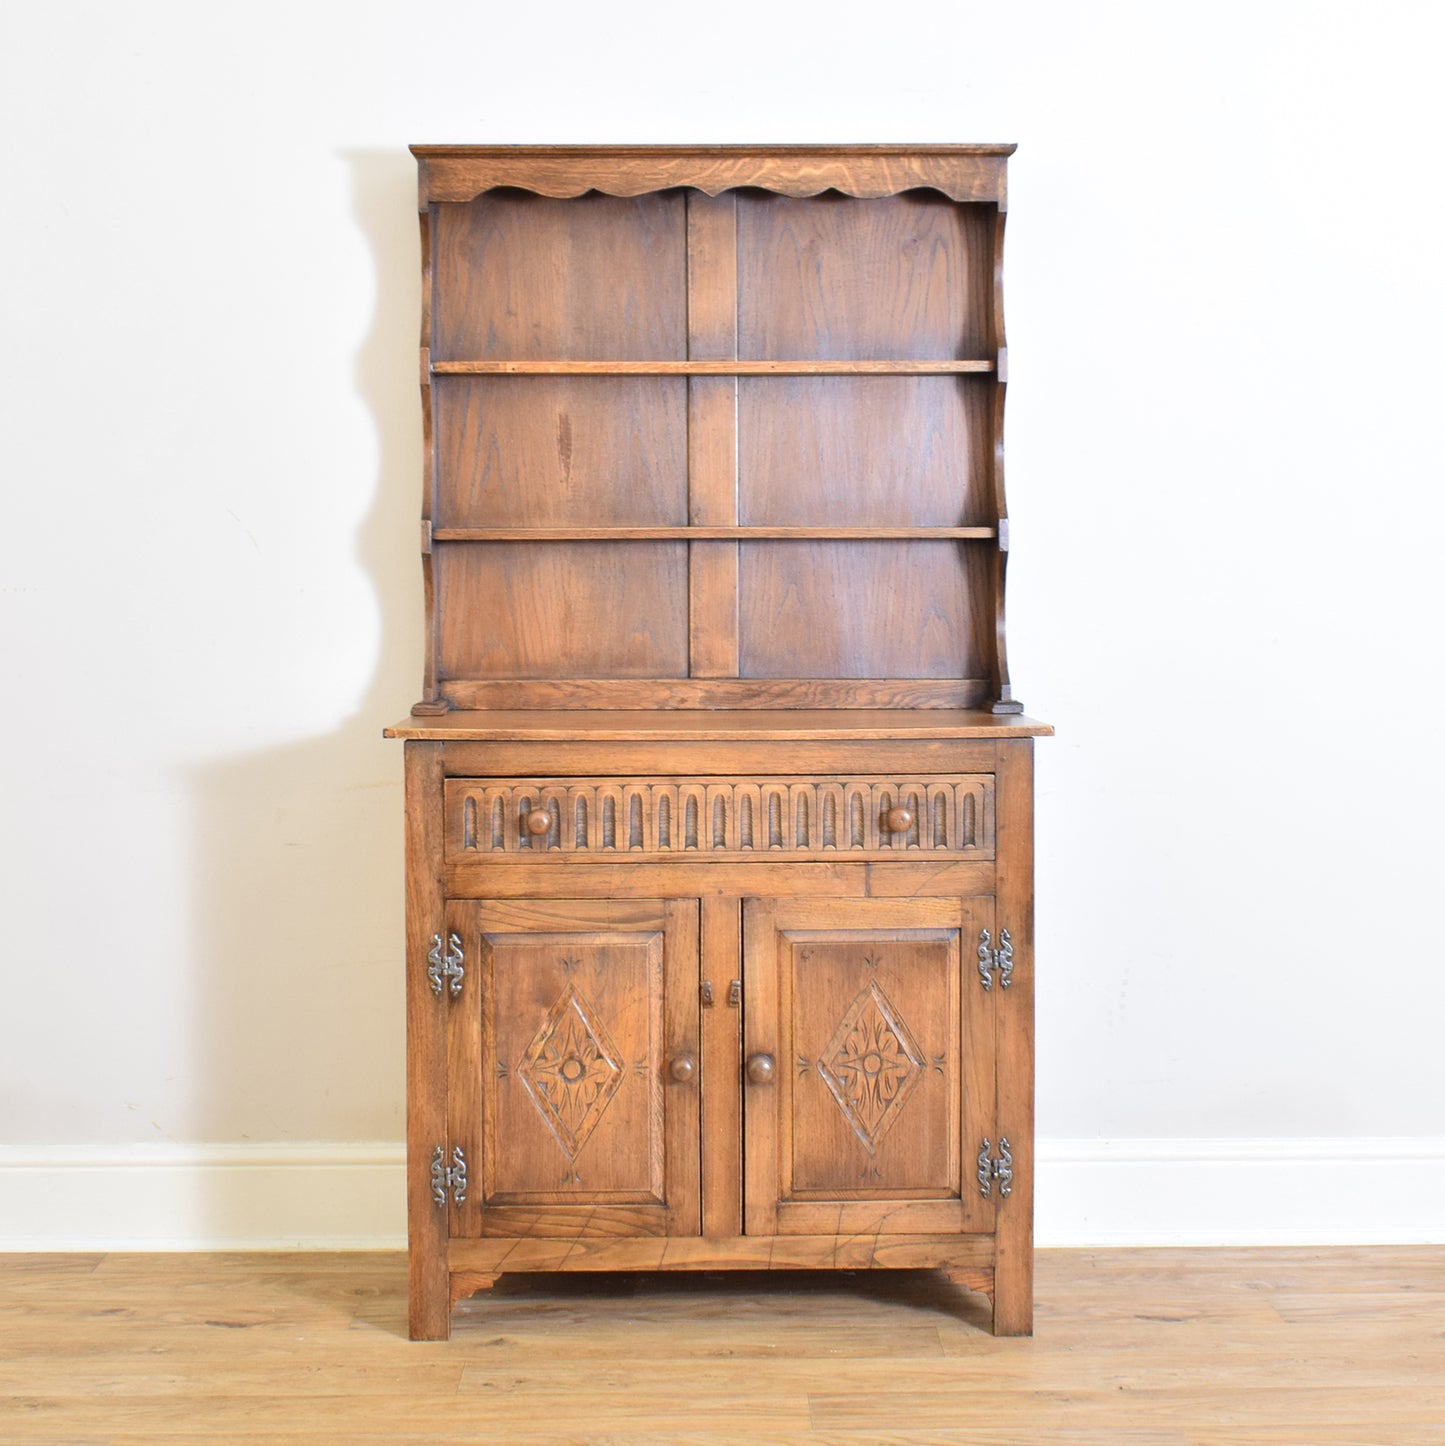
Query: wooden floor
1175	1347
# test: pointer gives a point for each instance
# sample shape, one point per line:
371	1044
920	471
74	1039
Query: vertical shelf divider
712	433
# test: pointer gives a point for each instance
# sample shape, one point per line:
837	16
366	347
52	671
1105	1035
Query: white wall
1225	472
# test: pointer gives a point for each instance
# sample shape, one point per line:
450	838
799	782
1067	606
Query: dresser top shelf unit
713	427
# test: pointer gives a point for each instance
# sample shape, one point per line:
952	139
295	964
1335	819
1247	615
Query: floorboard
1144	1348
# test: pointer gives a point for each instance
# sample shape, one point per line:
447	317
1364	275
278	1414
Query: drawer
729	818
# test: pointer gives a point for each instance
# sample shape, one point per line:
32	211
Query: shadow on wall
298	930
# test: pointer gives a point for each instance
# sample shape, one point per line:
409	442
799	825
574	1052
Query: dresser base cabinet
666	1018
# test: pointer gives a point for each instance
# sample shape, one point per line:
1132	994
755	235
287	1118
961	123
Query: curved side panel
432	703
1004	701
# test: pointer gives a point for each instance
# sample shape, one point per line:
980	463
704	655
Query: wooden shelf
710	534
695	725
727	368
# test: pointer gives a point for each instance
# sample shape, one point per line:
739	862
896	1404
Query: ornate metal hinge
991	959
991	1169
451	1177
445	965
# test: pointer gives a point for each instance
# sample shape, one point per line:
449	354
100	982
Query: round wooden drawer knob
761	1068
538	821
683	1068
899	820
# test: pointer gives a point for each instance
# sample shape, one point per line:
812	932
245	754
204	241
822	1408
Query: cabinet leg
430	1305
1013	1293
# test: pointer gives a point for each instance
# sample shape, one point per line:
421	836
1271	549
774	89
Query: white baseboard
203	1197
1241	1192
1090	1192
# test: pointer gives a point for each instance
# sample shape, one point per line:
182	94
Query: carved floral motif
571	1070
871	1065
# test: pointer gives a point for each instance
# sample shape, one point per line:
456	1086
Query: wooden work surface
703	726
1133	1348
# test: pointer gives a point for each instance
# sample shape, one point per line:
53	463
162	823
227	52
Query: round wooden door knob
683	1068
761	1068
538	821
899	820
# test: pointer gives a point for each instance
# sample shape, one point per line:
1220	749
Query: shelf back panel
861	610
905	277
865	451
561	451
519	277
562	610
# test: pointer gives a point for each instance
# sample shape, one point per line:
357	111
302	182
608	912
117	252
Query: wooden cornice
961	172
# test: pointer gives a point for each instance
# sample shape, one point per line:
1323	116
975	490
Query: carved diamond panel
871	1066
571	1070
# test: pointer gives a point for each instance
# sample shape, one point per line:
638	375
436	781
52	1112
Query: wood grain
875	452
962	172
641	879
845	279
722	1121
833	1251
430	701
523	277
567	533
682	1034
707	696
799	754
858	610
712	277
469	1091
553	610
798	725
706	368
980	1099
712	466
762	1021
559	452
1013	1303
426	1085
1004	700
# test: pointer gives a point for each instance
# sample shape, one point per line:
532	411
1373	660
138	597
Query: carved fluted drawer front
868	817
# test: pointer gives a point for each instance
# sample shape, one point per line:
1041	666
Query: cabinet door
564	1060
881	1088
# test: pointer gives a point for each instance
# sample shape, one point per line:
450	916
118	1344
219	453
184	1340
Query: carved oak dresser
719	804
